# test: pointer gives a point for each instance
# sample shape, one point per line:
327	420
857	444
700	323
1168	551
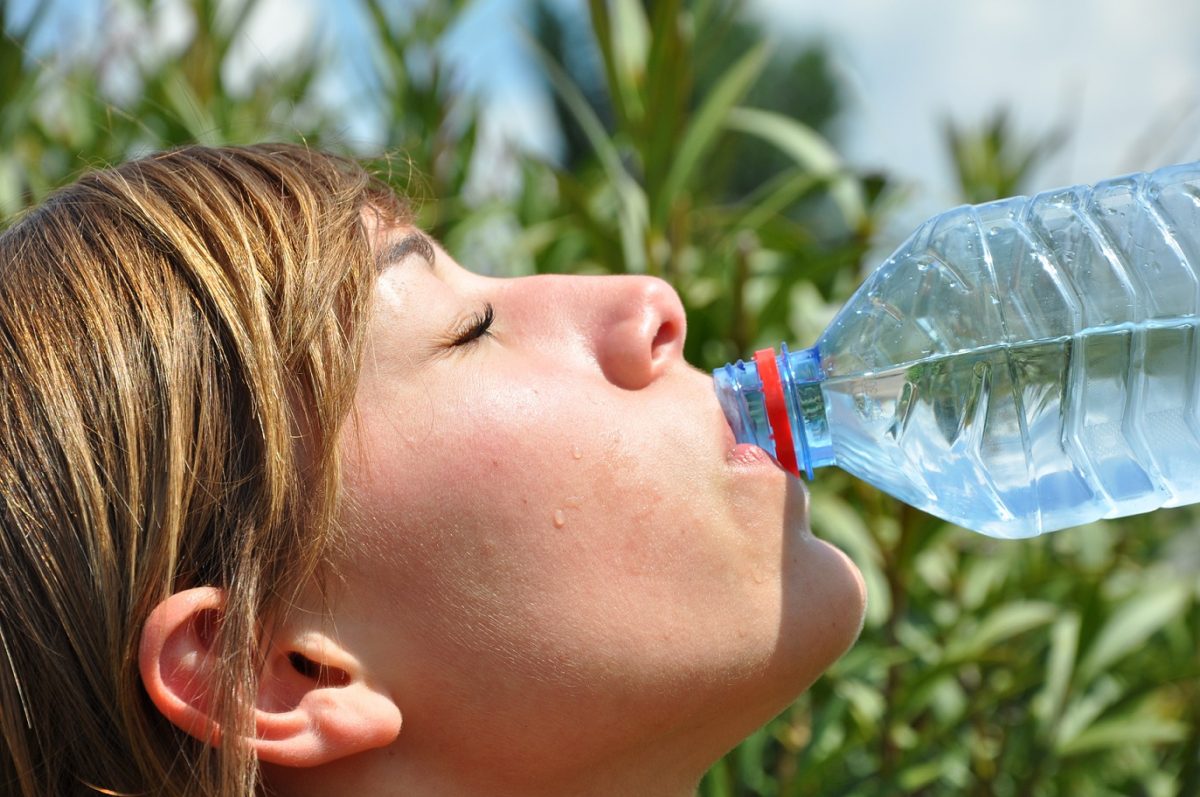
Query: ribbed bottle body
1029	364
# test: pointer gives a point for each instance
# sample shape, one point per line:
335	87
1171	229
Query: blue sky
1123	76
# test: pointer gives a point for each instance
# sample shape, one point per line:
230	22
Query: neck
379	775
658	762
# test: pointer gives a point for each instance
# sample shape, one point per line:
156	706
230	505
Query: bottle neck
802	379
776	403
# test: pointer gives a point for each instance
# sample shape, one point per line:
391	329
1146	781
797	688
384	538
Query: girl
292	503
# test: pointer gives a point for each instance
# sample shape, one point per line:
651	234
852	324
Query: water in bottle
1014	367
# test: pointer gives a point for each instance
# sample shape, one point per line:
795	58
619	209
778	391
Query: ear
315	702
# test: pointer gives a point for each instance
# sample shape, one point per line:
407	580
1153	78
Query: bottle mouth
729	381
777	402
755	404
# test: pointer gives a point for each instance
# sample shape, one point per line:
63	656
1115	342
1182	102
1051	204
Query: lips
749	454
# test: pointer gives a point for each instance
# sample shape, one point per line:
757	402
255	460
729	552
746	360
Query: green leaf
866	702
1081	712
707	124
1124	732
1064	643
667	89
914	778
773	198
623	34
189	110
981	578
1003	623
809	150
1132	624
631	45
10	186
632	199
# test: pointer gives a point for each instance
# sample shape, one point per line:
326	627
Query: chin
824	601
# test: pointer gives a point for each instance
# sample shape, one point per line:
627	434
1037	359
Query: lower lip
748	454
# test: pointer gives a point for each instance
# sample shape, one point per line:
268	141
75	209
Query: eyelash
479	327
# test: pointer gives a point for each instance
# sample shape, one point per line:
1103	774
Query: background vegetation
1068	665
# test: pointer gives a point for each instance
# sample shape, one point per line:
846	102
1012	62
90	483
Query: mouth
749	454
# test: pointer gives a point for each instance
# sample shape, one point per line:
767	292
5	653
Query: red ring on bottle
777	414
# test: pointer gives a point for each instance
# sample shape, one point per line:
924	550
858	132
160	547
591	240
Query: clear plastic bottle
1015	367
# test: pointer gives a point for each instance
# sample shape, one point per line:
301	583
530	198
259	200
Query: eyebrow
415	243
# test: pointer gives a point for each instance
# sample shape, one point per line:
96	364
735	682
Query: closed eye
478	327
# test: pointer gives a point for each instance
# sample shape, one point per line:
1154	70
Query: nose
640	329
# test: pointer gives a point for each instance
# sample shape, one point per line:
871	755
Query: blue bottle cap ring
777	414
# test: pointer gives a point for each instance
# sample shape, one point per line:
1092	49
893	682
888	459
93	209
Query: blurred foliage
992	162
684	157
696	149
796	81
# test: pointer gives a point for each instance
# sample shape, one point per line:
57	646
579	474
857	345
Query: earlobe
315	703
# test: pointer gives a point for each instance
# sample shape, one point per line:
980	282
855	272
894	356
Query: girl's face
556	544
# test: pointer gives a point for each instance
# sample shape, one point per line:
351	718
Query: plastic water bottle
1015	367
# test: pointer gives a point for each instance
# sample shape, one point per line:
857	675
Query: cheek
579	485
532	500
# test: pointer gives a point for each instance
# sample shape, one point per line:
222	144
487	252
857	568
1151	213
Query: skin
561	569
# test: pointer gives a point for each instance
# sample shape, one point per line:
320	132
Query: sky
1123	77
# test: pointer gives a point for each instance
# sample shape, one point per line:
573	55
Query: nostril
639	331
667	334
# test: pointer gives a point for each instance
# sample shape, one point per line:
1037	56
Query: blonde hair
179	339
